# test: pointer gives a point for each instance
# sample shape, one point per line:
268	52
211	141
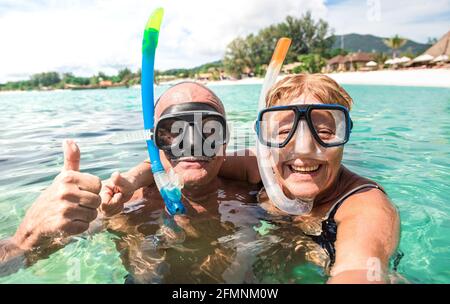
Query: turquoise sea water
401	139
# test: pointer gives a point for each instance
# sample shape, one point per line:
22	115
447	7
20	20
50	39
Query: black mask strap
189	106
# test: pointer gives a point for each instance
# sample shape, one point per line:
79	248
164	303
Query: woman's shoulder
368	202
368	224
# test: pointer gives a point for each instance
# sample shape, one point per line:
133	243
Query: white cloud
88	36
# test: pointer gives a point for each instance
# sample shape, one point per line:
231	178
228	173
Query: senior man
154	247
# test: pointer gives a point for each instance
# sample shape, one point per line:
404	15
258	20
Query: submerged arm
64	209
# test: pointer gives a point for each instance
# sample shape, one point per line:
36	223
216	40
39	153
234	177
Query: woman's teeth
304	169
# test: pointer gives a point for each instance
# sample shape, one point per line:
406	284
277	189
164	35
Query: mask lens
276	126
330	125
214	129
170	132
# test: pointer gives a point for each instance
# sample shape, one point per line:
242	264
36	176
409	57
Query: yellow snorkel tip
154	22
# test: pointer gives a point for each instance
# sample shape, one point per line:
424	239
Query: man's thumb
71	155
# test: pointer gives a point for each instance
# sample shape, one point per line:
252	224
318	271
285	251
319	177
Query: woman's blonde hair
320	86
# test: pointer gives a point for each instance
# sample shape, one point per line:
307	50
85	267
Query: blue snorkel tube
168	185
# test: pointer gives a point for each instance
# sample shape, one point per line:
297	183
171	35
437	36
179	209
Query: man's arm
64	209
241	165
367	236
120	188
141	175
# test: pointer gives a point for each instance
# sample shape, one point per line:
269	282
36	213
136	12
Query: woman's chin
305	191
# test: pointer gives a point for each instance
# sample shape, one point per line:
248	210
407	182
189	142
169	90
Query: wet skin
192	253
219	241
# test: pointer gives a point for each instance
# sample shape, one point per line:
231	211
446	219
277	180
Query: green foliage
190	73
394	44
335	52
103	76
311	63
52	80
69	78
124	75
308	36
16	85
93	80
45	79
408	53
237	57
254	51
380	58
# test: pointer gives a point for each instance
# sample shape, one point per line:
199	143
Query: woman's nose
304	141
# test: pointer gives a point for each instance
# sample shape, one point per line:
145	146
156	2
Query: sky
85	37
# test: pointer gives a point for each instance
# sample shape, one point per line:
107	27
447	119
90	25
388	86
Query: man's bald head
194	172
188	92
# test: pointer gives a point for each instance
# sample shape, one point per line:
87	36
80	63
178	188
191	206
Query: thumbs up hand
65	208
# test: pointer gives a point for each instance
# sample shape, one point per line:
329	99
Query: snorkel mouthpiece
170	192
168	186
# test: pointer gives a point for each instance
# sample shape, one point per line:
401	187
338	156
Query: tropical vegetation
394	44
252	53
53	80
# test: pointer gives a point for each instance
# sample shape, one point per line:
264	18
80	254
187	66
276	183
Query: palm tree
395	43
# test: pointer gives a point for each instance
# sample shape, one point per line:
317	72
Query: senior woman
306	124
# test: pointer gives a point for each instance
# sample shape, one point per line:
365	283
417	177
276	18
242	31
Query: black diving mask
192	129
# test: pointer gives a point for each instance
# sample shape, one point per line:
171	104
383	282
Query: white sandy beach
413	78
418	77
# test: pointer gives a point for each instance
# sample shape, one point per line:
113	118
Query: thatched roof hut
442	47
350	62
360	57
439	52
336	64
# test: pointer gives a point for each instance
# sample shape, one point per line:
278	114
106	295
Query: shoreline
437	78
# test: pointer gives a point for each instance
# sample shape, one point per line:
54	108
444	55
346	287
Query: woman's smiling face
303	167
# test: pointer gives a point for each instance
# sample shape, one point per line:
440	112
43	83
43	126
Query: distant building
105	83
351	62
336	64
356	61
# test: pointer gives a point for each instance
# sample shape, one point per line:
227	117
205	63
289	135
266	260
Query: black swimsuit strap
335	207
